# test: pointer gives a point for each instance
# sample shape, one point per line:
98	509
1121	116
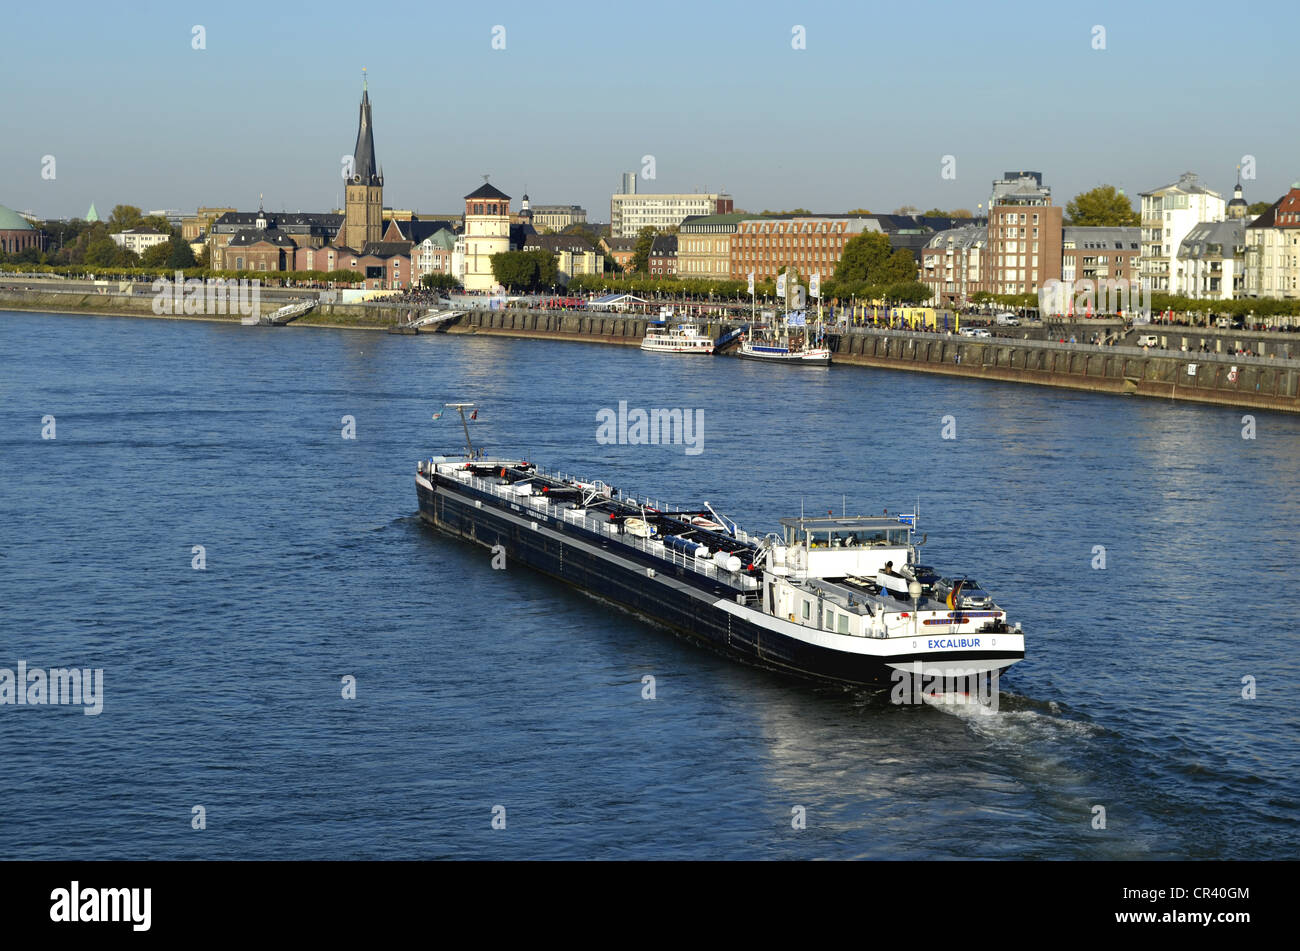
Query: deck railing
701	566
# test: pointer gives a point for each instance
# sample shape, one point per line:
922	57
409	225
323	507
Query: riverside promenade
1270	381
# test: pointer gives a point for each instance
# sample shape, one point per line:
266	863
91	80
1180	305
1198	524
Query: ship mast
469	446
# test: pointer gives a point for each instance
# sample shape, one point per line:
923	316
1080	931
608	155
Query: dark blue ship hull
674	596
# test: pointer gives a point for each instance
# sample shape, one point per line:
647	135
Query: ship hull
815	358
705	614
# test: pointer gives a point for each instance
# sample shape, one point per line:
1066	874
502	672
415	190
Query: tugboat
830	600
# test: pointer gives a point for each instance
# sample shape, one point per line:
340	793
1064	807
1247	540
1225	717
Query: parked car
1148	340
924	574
972	595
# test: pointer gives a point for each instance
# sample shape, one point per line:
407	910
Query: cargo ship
830	600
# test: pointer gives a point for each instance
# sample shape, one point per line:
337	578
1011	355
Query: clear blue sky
861	118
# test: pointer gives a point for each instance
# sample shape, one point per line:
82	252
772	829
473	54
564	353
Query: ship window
844	624
807	610
830	620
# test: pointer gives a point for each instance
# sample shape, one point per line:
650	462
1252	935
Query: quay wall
1271	383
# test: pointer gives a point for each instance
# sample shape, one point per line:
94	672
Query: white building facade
487	232
628	214
139	239
1273	250
1169	213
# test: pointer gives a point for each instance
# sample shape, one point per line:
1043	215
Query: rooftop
10	220
487	190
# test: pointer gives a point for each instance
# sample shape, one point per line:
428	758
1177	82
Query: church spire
364	168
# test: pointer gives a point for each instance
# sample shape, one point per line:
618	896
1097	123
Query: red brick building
812	244
18	234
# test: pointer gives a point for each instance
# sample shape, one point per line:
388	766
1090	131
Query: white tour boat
684	338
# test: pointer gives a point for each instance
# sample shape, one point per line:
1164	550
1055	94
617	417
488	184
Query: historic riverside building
487	232
1273	249
662	260
364	208
18	234
196	226
1168	214
433	255
557	217
704	246
359	239
811	244
620	250
574	254
268	241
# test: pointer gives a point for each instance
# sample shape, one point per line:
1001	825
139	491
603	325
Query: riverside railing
1190	355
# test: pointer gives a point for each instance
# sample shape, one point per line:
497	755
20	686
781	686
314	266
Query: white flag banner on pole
780	285
751	282
815	286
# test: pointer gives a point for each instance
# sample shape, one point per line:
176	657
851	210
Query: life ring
791	617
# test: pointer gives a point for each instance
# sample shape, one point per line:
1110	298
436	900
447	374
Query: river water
222	700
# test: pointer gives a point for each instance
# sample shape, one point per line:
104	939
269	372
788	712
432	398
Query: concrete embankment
1225	380
1220	379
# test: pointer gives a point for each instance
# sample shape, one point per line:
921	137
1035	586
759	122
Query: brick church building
353	241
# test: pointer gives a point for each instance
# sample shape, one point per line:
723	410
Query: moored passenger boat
684	338
793	341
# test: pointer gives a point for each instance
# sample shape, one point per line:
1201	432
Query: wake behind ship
823	601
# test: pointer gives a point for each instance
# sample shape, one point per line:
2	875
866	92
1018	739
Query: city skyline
569	104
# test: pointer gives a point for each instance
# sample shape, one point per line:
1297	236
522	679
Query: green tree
641	253
156	256
444	281
865	259
900	267
158	223
1103	206
534	269
100	252
512	269
123	217
180	255
547	268
909	292
1258	207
